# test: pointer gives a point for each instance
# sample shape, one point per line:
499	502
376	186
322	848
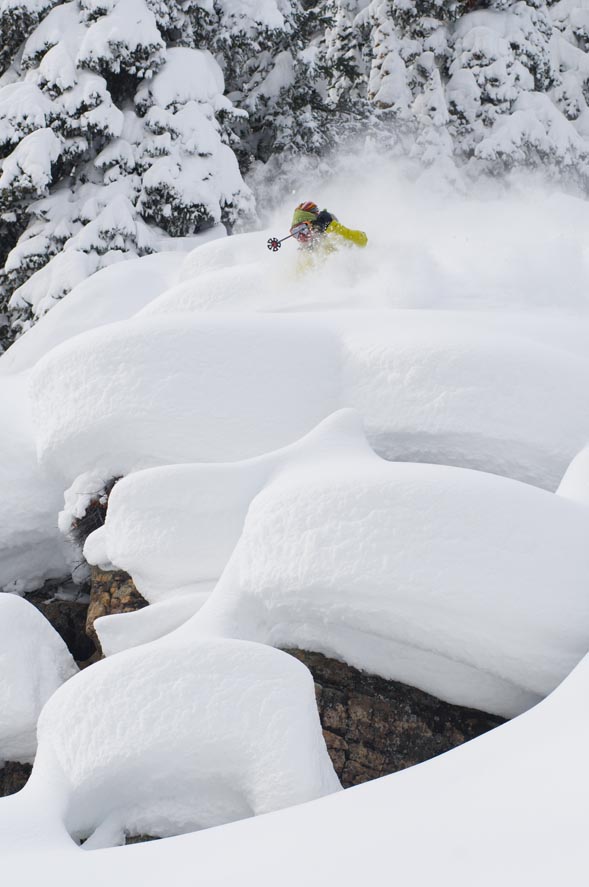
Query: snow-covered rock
460	390
34	662
455	805
466	585
120	631
156	517
251	287
180	735
160	390
432	387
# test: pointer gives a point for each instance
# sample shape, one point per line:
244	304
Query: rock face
68	617
13	777
111	592
373	727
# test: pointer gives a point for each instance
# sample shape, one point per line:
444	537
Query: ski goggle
302	231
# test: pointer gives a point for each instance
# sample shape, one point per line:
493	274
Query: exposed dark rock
111	592
13	777
94	516
139	839
373	727
68	618
73	616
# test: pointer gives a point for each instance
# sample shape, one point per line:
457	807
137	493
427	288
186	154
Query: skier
320	230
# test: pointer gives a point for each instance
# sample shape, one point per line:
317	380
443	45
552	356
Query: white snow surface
120	631
114	293
174	528
453	388
512	798
31	547
575	483
207	731
34	662
467	585
171	381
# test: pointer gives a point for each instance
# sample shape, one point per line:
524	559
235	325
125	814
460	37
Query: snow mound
575	483
114	293
444	387
250	287
460	389
34	662
31	547
164	390
454	804
121	631
207	731
242	249
156	516
469	586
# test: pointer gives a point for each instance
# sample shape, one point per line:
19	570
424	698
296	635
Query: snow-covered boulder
180	735
444	387
34	662
511	800
121	631
181	389
458	390
467	585
156	516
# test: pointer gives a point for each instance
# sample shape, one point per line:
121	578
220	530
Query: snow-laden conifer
495	84
111	141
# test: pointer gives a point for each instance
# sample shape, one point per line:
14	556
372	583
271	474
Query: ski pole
274	243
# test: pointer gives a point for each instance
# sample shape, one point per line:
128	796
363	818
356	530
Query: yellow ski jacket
336	228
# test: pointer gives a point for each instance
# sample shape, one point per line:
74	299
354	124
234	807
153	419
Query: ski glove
323	220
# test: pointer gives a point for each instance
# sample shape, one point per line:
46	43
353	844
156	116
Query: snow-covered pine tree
271	72
110	142
399	33
343	59
495	84
311	97
515	90
408	45
17	19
